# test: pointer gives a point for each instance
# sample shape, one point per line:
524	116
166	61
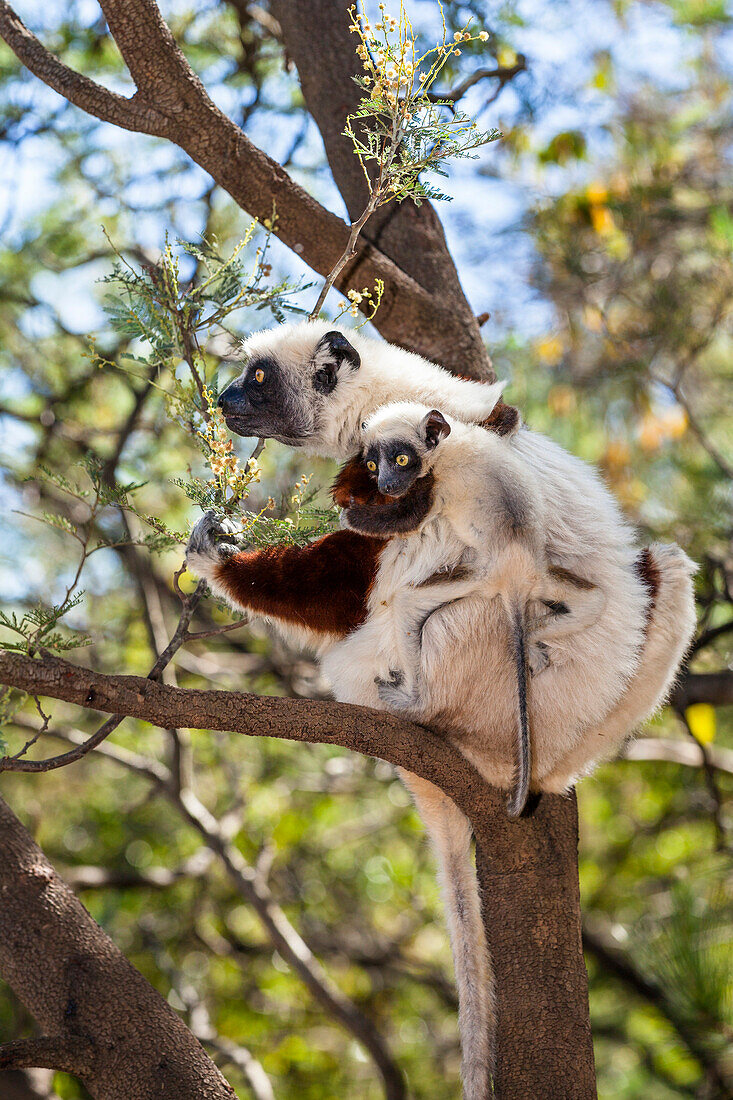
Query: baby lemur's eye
402	460
371	465
259	375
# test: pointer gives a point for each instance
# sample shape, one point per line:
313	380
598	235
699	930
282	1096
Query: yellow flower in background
593	318
657	428
597	193
617	455
550	349
675	422
602	220
651	434
506	57
700	717
631	491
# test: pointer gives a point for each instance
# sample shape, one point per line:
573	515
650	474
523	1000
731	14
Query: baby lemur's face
398	445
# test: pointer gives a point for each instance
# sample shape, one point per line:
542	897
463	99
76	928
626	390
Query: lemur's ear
504	420
435	427
332	351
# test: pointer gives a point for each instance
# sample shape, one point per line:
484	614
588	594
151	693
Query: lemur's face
284	393
399	448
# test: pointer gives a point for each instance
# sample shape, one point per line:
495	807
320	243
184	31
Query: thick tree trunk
528	872
106	1024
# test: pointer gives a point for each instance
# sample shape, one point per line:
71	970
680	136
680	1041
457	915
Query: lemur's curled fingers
208	541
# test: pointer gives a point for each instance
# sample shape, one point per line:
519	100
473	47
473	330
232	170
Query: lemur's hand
394	695
208	545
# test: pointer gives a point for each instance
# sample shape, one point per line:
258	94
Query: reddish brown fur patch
398	515
323	586
504	419
648	572
355	485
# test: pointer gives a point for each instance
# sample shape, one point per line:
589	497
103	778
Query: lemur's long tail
450	833
518	797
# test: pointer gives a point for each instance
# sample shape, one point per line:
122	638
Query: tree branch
621	967
715	688
373	733
527	868
411	236
172	103
130	114
502	73
78	986
72	1054
678	752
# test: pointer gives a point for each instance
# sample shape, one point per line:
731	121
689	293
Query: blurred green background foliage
598	234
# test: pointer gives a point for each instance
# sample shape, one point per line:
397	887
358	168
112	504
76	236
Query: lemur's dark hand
210	544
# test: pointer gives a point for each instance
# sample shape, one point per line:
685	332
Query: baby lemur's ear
435	427
332	351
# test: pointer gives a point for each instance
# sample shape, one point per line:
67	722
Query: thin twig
180	637
349	251
503	73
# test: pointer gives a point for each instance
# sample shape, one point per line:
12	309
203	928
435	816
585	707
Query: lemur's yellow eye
371	466
259	375
402	460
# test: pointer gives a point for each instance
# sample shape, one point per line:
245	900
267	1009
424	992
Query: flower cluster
357	298
228	477
400	129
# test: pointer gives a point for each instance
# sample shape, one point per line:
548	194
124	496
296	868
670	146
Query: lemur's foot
208	544
392	693
538	658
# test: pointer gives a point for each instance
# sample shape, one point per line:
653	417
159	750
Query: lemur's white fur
484	534
386	372
471	693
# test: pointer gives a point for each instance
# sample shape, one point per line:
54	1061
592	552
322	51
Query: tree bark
107	1024
172	103
528	870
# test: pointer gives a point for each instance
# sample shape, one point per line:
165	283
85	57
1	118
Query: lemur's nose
231	399
389	488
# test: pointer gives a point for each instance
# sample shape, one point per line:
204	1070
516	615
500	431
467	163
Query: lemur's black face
395	465
284	400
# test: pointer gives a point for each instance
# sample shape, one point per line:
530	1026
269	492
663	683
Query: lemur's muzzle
237	409
394	485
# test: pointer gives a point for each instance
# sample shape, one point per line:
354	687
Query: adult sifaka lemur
313	386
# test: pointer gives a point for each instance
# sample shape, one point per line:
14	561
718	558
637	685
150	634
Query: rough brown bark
122	1039
528	870
529	874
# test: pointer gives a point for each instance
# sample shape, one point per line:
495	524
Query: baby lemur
477	525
